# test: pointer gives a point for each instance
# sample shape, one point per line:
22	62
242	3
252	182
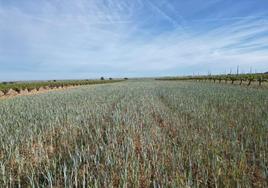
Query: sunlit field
136	134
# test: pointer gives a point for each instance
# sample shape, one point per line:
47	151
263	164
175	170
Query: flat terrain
136	134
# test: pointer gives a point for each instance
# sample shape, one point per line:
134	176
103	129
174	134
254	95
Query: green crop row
136	134
18	86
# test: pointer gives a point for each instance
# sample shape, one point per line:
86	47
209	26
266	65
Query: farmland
248	79
13	88
136	134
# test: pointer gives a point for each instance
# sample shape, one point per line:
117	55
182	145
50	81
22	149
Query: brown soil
41	89
2	93
23	92
33	91
11	92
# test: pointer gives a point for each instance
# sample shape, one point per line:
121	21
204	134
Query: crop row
136	134
18	86
249	78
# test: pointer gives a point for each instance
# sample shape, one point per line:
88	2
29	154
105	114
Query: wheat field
142	133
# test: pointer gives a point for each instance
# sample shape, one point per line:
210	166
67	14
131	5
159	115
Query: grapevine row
241	78
18	86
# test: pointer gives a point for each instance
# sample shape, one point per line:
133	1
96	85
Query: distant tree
110	78
54	80
102	78
125	78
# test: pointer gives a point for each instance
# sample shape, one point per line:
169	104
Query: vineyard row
9	87
248	78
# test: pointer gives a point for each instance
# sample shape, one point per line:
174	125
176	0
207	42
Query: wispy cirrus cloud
80	39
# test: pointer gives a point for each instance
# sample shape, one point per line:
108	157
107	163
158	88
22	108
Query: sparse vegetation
136	134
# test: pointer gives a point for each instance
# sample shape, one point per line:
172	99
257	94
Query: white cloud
81	35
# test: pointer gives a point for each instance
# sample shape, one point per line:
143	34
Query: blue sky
56	39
